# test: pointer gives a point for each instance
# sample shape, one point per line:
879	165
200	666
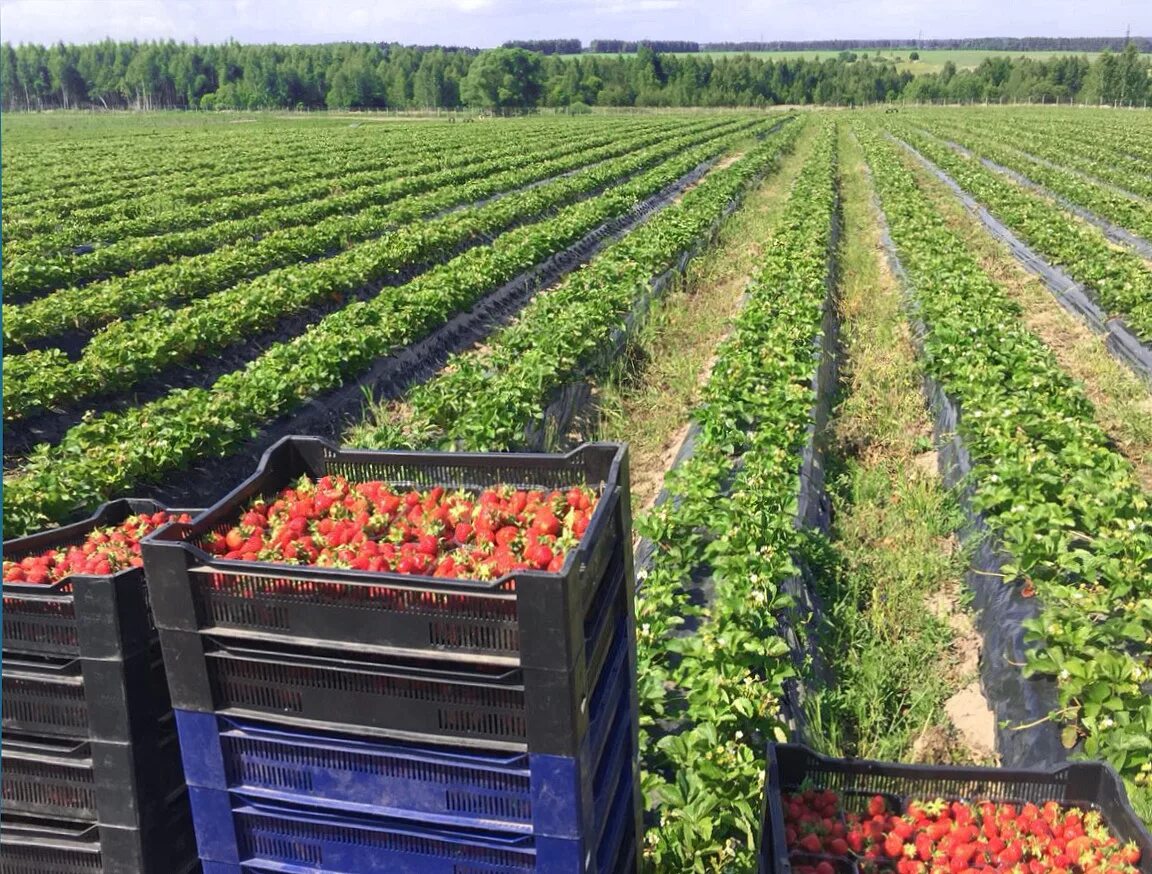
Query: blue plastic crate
543	795
237	832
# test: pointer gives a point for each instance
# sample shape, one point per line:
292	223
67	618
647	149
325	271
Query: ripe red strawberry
811	844
541	556
924	847
1012	853
1129	854
894	847
547	523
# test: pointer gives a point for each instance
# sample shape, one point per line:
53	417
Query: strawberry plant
1096	151
249	169
1121	280
129	350
159	237
279	237
562	329
1124	210
1064	504
111	452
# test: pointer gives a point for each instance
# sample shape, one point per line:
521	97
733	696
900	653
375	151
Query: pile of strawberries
104	551
332	522
941	837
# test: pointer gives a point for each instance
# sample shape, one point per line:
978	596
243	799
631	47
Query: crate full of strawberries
464	554
79	590
417	594
835	816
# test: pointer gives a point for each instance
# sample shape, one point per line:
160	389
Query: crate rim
70	753
16	668
310	659
166	536
945	771
245	803
498	761
54	830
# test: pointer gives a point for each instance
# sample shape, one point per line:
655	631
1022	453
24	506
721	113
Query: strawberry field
887	379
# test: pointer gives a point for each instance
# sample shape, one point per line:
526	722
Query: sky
486	23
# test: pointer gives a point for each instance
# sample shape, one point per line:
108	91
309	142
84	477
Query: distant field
931	60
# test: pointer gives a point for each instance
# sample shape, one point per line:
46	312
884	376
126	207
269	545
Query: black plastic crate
485	705
122	784
1087	785
115	699
529	618
555	796
31	845
82	615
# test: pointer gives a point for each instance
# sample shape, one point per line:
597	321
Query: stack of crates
336	720
91	775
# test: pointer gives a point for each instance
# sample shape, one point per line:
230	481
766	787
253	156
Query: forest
171	75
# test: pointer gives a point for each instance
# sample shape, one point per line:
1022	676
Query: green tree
355	85
1103	85
504	79
1132	76
428	81
11	89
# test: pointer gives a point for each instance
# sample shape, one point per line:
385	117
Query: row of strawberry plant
486	398
96	304
1134	215
710	700
129	350
38	170
1124	136
36	271
89	209
126	213
218	152
1121	280
1064	504
243	170
111	453
140	217
1073	164
270	165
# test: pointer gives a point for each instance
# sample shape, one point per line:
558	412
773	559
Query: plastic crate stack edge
342	720
91	776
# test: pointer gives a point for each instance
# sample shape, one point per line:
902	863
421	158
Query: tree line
988	43
170	75
984	44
